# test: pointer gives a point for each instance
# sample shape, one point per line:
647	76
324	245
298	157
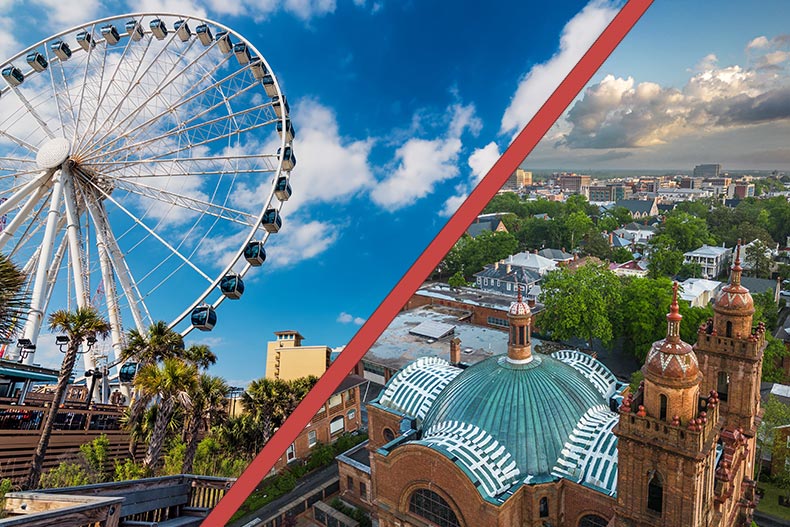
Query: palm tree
200	355
208	407
158	343
82	323
14	300
171	384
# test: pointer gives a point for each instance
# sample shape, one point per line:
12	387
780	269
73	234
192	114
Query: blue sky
399	108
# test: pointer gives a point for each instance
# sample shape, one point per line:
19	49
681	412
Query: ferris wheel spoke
86	70
74	236
18	141
150	231
51	74
24	191
119	129
32	111
106	241
99	97
139	83
22	215
186	202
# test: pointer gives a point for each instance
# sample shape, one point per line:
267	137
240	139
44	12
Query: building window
663	401
335	400
544	507
363	490
389	435
351	414
655	492
429	505
311	438
495	321
350	483
337	425
290	454
723	385
591	520
729	328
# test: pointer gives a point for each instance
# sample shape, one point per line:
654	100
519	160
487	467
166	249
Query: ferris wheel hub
53	153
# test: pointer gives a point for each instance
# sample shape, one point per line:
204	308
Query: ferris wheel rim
253	233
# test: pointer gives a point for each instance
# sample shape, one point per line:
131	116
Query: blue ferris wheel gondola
255	253
204	317
127	372
232	286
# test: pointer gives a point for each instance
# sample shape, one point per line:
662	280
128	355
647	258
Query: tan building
287	359
518	179
532	440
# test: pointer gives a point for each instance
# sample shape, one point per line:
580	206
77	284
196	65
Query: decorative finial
735	278
674	317
518	287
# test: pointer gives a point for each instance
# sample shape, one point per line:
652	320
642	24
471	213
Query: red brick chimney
455	351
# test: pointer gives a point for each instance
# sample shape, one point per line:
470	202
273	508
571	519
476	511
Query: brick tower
730	353
667	438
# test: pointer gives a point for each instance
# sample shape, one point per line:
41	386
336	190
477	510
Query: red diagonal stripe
429	259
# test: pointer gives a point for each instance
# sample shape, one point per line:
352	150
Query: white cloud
346	318
8	44
482	159
452	203
422	163
67	14
167	6
757	43
297	242
539	83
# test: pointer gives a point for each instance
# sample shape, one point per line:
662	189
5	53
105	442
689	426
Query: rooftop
398	346
708	251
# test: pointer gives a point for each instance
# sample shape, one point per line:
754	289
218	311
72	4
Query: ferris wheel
144	161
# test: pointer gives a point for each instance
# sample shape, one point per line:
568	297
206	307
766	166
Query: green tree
14	301
684	232
578	225
642	312
758	258
773	355
170	384
598	246
209	397
578	303
665	260
77	325
622	255
766	310
457	280
775	414
689	270
200	355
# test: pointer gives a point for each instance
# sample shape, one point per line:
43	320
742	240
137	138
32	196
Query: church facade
539	440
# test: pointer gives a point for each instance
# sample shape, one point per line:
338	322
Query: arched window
723	385
729	328
655	492
544	507
389	435
591	520
663	401
432	507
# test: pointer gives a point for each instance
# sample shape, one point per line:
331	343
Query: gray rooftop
397	346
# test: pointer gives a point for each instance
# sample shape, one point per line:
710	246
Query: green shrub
65	475
128	470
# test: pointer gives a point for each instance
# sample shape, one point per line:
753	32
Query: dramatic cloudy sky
711	85
402	106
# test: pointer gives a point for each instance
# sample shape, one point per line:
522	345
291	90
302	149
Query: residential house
761	285
712	259
631	268
636	233
505	278
699	292
487	222
770	252
558	255
639	208
532	261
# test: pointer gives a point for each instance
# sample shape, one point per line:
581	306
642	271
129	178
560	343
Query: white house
713	260
699	291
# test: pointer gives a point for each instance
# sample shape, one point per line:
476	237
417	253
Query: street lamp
62	341
95	375
26	347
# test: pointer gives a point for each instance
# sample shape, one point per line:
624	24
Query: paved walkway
303	487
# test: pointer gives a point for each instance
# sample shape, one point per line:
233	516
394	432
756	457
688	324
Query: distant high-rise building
518	179
707	171
287	359
575	183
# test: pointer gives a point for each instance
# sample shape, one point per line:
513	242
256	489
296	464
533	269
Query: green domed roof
530	409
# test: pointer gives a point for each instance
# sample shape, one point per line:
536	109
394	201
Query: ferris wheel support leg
111	299
20	194
38	299
21	216
73	234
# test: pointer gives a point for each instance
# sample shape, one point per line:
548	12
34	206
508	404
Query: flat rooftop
397	346
472	296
